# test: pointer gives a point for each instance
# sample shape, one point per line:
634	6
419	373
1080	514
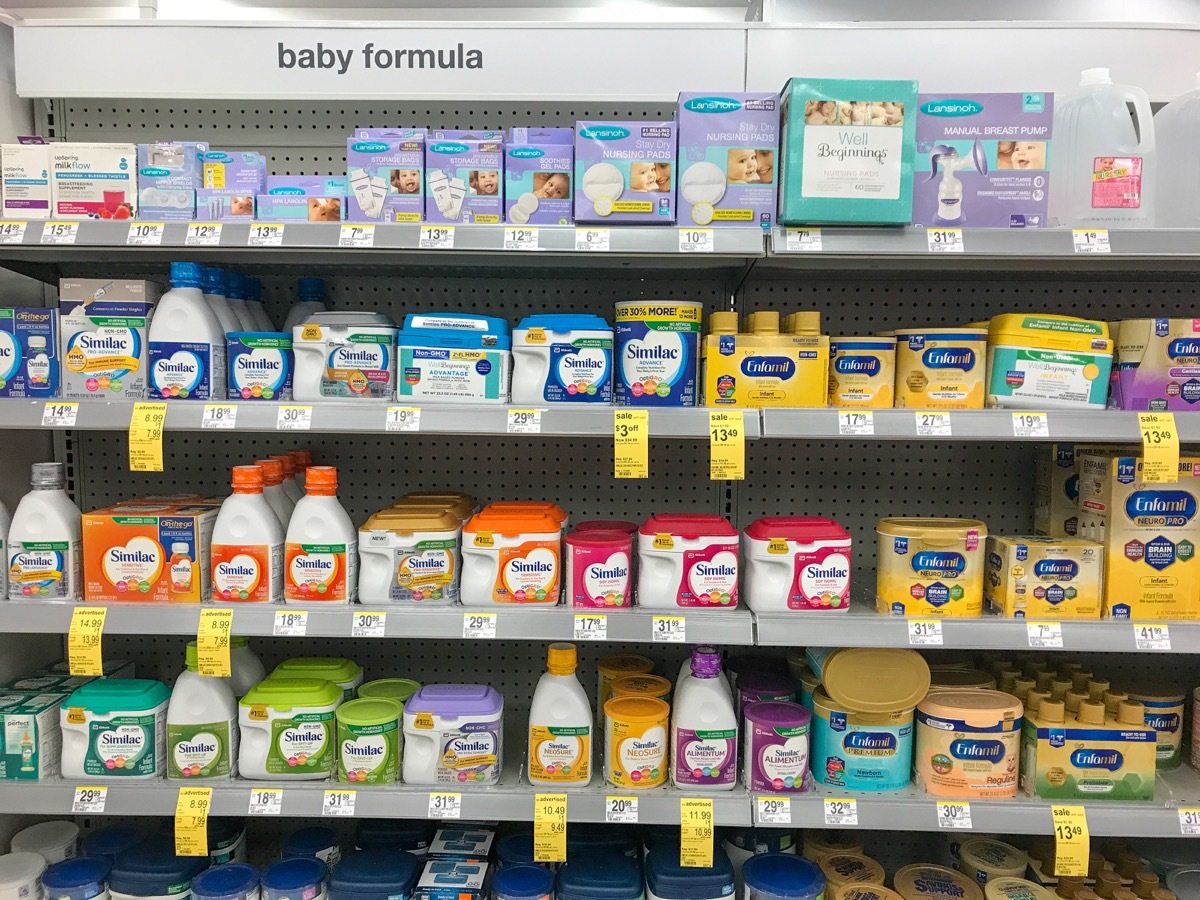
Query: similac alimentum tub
861	751
862	372
687	560
940	368
967	744
1048	362
930	567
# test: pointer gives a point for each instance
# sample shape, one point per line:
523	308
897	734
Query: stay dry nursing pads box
625	172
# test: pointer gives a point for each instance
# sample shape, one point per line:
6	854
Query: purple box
625	172
306	185
537	176
385	175
215	205
983	160
233	173
453	134
464	181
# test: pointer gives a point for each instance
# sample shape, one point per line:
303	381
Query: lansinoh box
385	173
464	180
625	172
537	176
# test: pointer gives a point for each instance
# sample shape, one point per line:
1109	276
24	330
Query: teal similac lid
455	330
326	668
108	695
560	322
281	694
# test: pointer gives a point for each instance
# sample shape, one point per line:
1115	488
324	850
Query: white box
25	181
96	181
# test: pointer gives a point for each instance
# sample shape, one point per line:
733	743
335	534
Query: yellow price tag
212	642
550	828
1160	447
726	446
83	640
631	443
145	437
1071	840
696	832
191	821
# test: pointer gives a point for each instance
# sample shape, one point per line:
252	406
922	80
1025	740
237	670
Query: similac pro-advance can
658	348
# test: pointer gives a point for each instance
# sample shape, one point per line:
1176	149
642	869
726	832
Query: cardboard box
385	175
32	749
25	181
169	173
93	181
1038	577
29	361
625	172
102	337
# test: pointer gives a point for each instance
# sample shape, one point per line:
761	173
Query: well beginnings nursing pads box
625	172
727	148
464	178
848	150
537	176
983	160
385	175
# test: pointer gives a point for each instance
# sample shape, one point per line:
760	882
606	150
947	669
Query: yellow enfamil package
1036	576
1149	532
1056	501
765	366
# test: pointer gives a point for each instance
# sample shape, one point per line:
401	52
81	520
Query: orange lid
321	481
272	471
512	523
289	464
637	709
561	659
461	507
522	507
247	479
302	458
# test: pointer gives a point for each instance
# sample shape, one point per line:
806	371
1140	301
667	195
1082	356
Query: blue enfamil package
29	352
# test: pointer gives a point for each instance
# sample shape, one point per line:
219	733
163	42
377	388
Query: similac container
930	567
321	550
740	844
775	746
299	878
312	300
187	343
643	686
370	744
463	505
246	669
44	551
968	742
667	879
454	734
347	355
319	841
658	352
687	560
374	875
247	544
704	728
781	876
293	479
610	668
55	840
115	728
797	562
751	687
277	498
850	868
21	876
202	725
511	559
629	528
523	882
288	731
152	871
1048	362
984	859
345	673
410	555
636	740
231	881
1164	713
525	507
226	840
562	358
940	368
862	372
926	882
454	358
80	878
398	689
598	567
560	724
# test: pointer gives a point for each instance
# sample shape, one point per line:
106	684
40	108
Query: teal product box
285	207
537	176
32	749
452	879
848	151
261	364
454	357
29	361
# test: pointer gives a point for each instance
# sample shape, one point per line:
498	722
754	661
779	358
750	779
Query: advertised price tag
266	235
445	805
83	641
89	799
856	423
924	632
1189	821
550	828
1094	240
524	421
696	832
402	418
437	237
591	239
518	238
191	821
1044	634
841	811
146	234
60	232
945	240
479	625
59	414
290	623
726	446
1031	424
356	235
621	810
668	629
1071	840
631	443
591	627
212	642
773	811
803	240
696	240
1152	637
12	232
220	416
954	814
145	437
265	802
368	624
338	803
294	418
933	424
203	234
1160	447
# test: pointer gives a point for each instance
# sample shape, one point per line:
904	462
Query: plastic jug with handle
1177	130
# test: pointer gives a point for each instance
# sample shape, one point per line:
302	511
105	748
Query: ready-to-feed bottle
202	725
704	728
5	522
1177	130
45	540
214	293
293	478
258	313
185	586
247	544
321	562
560	724
235	296
278	498
187	342
312	300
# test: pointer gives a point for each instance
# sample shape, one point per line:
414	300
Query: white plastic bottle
245	668
277	497
322	544
293	479
312	300
38	364
202	726
560	724
214	293
44	550
262	322
704	728
5	522
1177	130
247	543
235	296
685	672
187	342
1104	171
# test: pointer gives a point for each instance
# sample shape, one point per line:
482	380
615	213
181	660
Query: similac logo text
359	356
302	743
711	581
135	566
528	575
120	747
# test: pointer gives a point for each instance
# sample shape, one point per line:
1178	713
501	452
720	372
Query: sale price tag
90	799
402	418
696	832
1071	841
517	238
212	642
726	446
57	414
621	810
338	803
696	240
1090	240
146	234
83	641
591	627
841	811
1189	821
12	232
856	423
203	234
145	437
631	443
953	814
444	805
265	802
945	240
368	624
437	237
668	629
773	811
294	418
221	416
924	632
290	623
60	232
1160	447
550	828
933	424
1152	637
479	625
803	240
1043	635
591	239
1031	425
265	235
524	421
356	235
191	821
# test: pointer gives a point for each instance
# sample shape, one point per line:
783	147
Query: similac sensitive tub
115	728
940	368
454	735
658	353
636	738
511	558
410	554
687	560
598	567
930	567
288	729
967	744
862	372
797	563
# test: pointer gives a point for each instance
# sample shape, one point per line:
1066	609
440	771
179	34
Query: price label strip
1160	447
294	418
696	832
479	625
631	443
338	803
933	424
83	641
726	446
60	232
145	437
203	234
443	805
841	811
668	629
550	828
1189	821
290	623
524	421
1152	637
437	237
12	232
516	238
146	234
212	642
773	810
591	627
191	821
803	240
368	624
696	240
89	799
221	416
924	633
1071	841
954	814
265	802
945	240
264	235
1044	635
1090	240
402	418
856	424
358	236
1031	425
621	810
591	240
57	414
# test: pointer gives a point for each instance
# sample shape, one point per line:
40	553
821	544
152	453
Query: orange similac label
241	572
315	572
529	573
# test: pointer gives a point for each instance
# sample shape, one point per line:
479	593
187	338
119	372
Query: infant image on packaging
747	166
1021	155
821	112
551	185
241	206
324	209
406	181
643	176
484	182
862	112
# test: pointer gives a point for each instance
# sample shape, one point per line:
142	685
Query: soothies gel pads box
848	149
537	176
625	172
385	174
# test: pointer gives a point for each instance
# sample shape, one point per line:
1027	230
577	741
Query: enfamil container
562	358
930	567
410	555
511	559
347	355
968	743
687	560
797	563
115	728
454	734
1048	362
862	372
288	729
940	368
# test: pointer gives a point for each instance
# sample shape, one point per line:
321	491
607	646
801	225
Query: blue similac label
938	564
580	373
861	757
260	367
180	370
1152	509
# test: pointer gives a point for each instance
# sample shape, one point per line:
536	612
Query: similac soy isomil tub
861	751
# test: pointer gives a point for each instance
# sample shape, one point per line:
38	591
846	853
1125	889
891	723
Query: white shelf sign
403	418
945	240
265	235
60	232
591	627
668	629
773	810
696	240
57	414
437	237
621	810
1043	635
803	240
294	418
856	423
1152	637
933	424
924	632
368	624
338	803
445	805
203	234
1091	240
1031	424
591	240
1189	821
290	623
146	234
953	814
524	421
12	232
517	238
265	802
481	626
219	415
89	799
356	235
841	811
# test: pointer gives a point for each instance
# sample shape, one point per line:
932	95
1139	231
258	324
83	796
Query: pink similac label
1117	182
710	577
705	757
822	579
599	577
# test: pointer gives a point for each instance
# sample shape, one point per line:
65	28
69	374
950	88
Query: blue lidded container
299	878
375	875
599	877
562	358
226	840
231	881
151	869
782	876
522	882
655	836
666	879
595	837
410	835
111	842
319	841
516	849
79	878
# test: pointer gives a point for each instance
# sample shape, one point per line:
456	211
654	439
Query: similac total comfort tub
115	728
511	559
968	742
687	560
288	729
930	567
940	368
797	563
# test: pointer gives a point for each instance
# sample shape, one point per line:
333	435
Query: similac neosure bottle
44	548
247	543
560	724
202	725
322	544
704	728
277	498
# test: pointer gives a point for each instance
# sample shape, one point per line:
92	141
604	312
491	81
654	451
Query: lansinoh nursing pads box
625	172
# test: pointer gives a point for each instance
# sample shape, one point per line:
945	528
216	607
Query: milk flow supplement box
102	334
25	180
625	172
93	180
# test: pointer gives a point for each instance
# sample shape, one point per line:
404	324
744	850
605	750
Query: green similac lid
191	659
371	711
398	689
329	668
281	693
108	695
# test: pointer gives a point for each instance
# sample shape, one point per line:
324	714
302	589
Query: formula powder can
658	345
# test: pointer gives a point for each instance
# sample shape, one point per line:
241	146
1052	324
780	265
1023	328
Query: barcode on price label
479	625
671	629
339	803
924	632
953	814
1152	637
621	809
591	627
443	805
841	811
1044	634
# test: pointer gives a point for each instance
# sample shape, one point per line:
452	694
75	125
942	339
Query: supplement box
32	737
385	175
464	180
454	357
169	173
148	551
1037	577
462	842
727	149
452	879
97	181
102	337
25	180
625	172
983	160
1048	362
848	151
29	363
260	366
538	164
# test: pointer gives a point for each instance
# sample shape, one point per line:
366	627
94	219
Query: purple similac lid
759	683
455	700
777	714
706	662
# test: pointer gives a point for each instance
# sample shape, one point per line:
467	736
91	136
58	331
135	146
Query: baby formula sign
239	572
136	566
124	745
528	573
315	572
302	743
710	577
822	579
39	568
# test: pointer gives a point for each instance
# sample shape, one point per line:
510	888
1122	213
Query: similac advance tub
968	743
288	729
862	372
1048	362
797	563
940	368
410	555
115	728
687	560
562	358
511	559
658	353
930	567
